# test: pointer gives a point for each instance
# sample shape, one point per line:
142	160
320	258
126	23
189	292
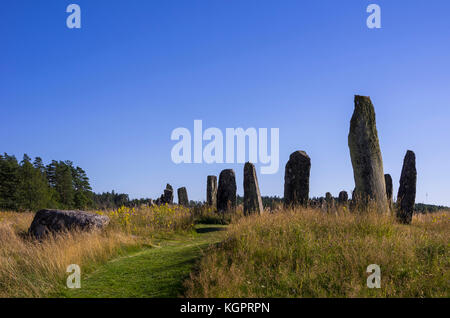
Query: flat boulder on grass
53	221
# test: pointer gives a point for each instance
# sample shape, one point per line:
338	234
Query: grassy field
307	253
151	272
165	252
29	268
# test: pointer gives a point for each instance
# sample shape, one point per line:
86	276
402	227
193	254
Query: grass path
151	272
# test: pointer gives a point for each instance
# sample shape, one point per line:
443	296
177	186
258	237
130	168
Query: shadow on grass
209	229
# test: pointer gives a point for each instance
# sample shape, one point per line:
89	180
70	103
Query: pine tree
59	176
33	190
8	182
83	194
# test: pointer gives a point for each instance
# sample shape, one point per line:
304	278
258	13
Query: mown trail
152	272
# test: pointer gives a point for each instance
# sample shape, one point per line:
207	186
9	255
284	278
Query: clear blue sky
109	95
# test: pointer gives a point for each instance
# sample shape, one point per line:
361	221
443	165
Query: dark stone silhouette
183	197
54	221
343	197
226	192
407	191
252	196
166	197
296	179
211	191
366	155
389	190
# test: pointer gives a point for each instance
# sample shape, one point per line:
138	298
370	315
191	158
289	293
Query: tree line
29	185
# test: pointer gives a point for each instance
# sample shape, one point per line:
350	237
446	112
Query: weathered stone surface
323	204
406	196
343	197
389	190
211	191
366	155
168	195
329	202
296	179
53	221
183	196
226	192
252	196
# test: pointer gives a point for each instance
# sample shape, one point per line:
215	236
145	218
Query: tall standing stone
406	196
211	191
183	197
389	190
252	196
366	155
226	192
296	179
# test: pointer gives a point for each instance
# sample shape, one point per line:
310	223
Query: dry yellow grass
29	268
308	253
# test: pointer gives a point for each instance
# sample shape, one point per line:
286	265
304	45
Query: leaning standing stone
389	190
252	196
53	221
183	197
366	155
226	192
407	192
296	179
211	190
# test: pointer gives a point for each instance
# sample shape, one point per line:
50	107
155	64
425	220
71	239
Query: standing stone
330	202
183	197
366	155
252	196
211	191
406	196
389	190
226	192
343	197
323	204
168	195
296	179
